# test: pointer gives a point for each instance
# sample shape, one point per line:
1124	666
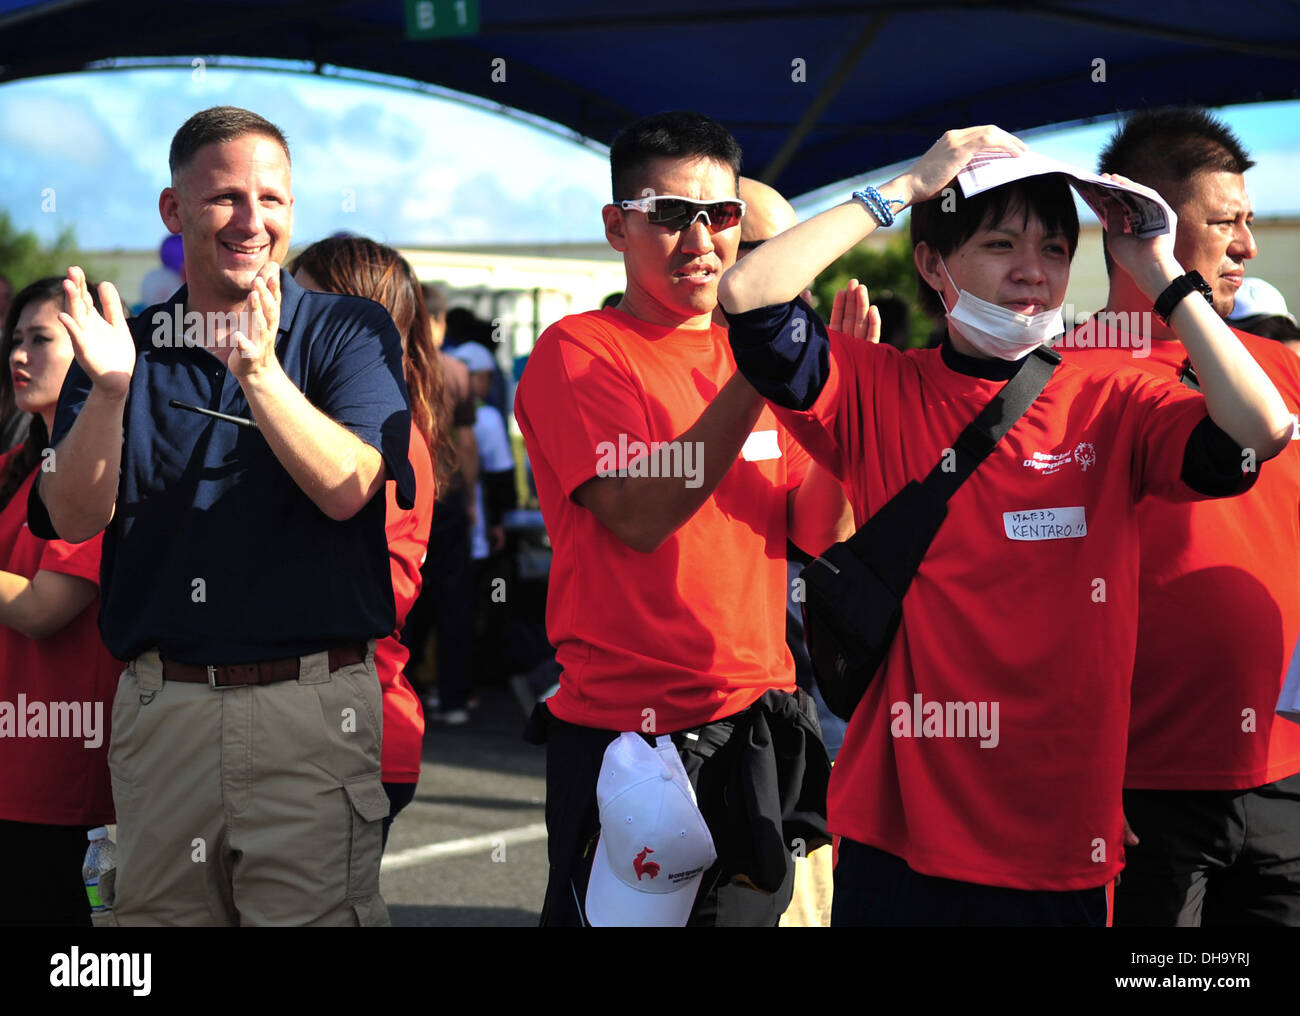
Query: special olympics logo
1086	455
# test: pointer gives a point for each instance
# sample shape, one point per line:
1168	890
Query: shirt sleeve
366	393
80	560
821	383
1213	462
783	351
407	531
73	395
797	460
1180	454
576	398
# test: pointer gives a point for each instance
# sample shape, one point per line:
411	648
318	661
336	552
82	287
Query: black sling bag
853	593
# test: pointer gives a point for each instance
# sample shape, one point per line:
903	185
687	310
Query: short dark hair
20	466
1164	147
1269	326
463	325
1047	197
217	125
673	135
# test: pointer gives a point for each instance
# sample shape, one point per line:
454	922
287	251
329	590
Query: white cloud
53	128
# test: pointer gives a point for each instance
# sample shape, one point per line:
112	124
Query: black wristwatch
1179	288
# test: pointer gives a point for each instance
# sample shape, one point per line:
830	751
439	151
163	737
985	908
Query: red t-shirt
1219	612
1019	627
694	631
408	540
56	694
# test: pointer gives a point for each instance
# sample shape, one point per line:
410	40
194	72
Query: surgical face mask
996	331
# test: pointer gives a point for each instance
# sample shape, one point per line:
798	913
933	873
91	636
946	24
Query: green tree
23	259
887	269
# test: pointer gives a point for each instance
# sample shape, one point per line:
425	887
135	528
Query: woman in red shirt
56	678
361	267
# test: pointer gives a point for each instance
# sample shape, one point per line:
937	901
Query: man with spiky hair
667	588
245	567
1211	785
1198	165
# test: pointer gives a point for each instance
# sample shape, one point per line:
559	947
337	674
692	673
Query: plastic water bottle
99	870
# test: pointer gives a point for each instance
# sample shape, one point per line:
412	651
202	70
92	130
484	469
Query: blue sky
416	168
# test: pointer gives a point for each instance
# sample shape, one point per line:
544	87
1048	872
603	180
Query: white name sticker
760	445
1045	524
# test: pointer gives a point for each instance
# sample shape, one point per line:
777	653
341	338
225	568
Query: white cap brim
613	904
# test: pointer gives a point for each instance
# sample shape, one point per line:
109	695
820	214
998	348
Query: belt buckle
212	681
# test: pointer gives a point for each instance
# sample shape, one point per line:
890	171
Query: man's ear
169	207
614	225
927	266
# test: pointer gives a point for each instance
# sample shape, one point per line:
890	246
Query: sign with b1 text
435	19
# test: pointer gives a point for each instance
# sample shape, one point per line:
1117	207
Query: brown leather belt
238	675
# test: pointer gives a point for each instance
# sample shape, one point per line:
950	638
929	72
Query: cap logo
644	867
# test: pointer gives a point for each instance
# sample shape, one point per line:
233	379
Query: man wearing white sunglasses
668	491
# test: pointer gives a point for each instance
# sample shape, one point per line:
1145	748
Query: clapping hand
102	344
253	352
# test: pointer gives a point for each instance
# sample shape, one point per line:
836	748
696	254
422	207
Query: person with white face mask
980	777
999	331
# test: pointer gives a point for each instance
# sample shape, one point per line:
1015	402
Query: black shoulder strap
912	517
978	440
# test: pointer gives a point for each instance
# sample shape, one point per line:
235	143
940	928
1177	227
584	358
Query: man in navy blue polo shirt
232	443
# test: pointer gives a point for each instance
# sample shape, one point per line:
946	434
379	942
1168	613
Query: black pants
573	758
877	889
42	866
1212	857
446	602
399	796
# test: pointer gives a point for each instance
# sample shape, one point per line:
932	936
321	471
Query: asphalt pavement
470	849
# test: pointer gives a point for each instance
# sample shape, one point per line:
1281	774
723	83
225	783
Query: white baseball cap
1258	298
472	355
654	843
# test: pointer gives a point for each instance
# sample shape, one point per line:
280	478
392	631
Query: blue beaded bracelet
878	206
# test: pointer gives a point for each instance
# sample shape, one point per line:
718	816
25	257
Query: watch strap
1177	290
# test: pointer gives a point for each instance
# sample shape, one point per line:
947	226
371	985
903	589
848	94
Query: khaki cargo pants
257	805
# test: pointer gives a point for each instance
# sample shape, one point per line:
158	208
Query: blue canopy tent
813	91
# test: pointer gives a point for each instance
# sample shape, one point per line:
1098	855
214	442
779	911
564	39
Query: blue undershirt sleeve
783	351
73	395
364	390
1212	462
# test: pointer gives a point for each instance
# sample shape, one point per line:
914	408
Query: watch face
1195	278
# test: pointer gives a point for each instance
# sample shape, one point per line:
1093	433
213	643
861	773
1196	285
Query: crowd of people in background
257	558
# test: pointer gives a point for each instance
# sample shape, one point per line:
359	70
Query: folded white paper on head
1288	703
1142	211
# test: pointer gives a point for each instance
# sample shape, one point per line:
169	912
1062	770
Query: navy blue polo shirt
214	554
